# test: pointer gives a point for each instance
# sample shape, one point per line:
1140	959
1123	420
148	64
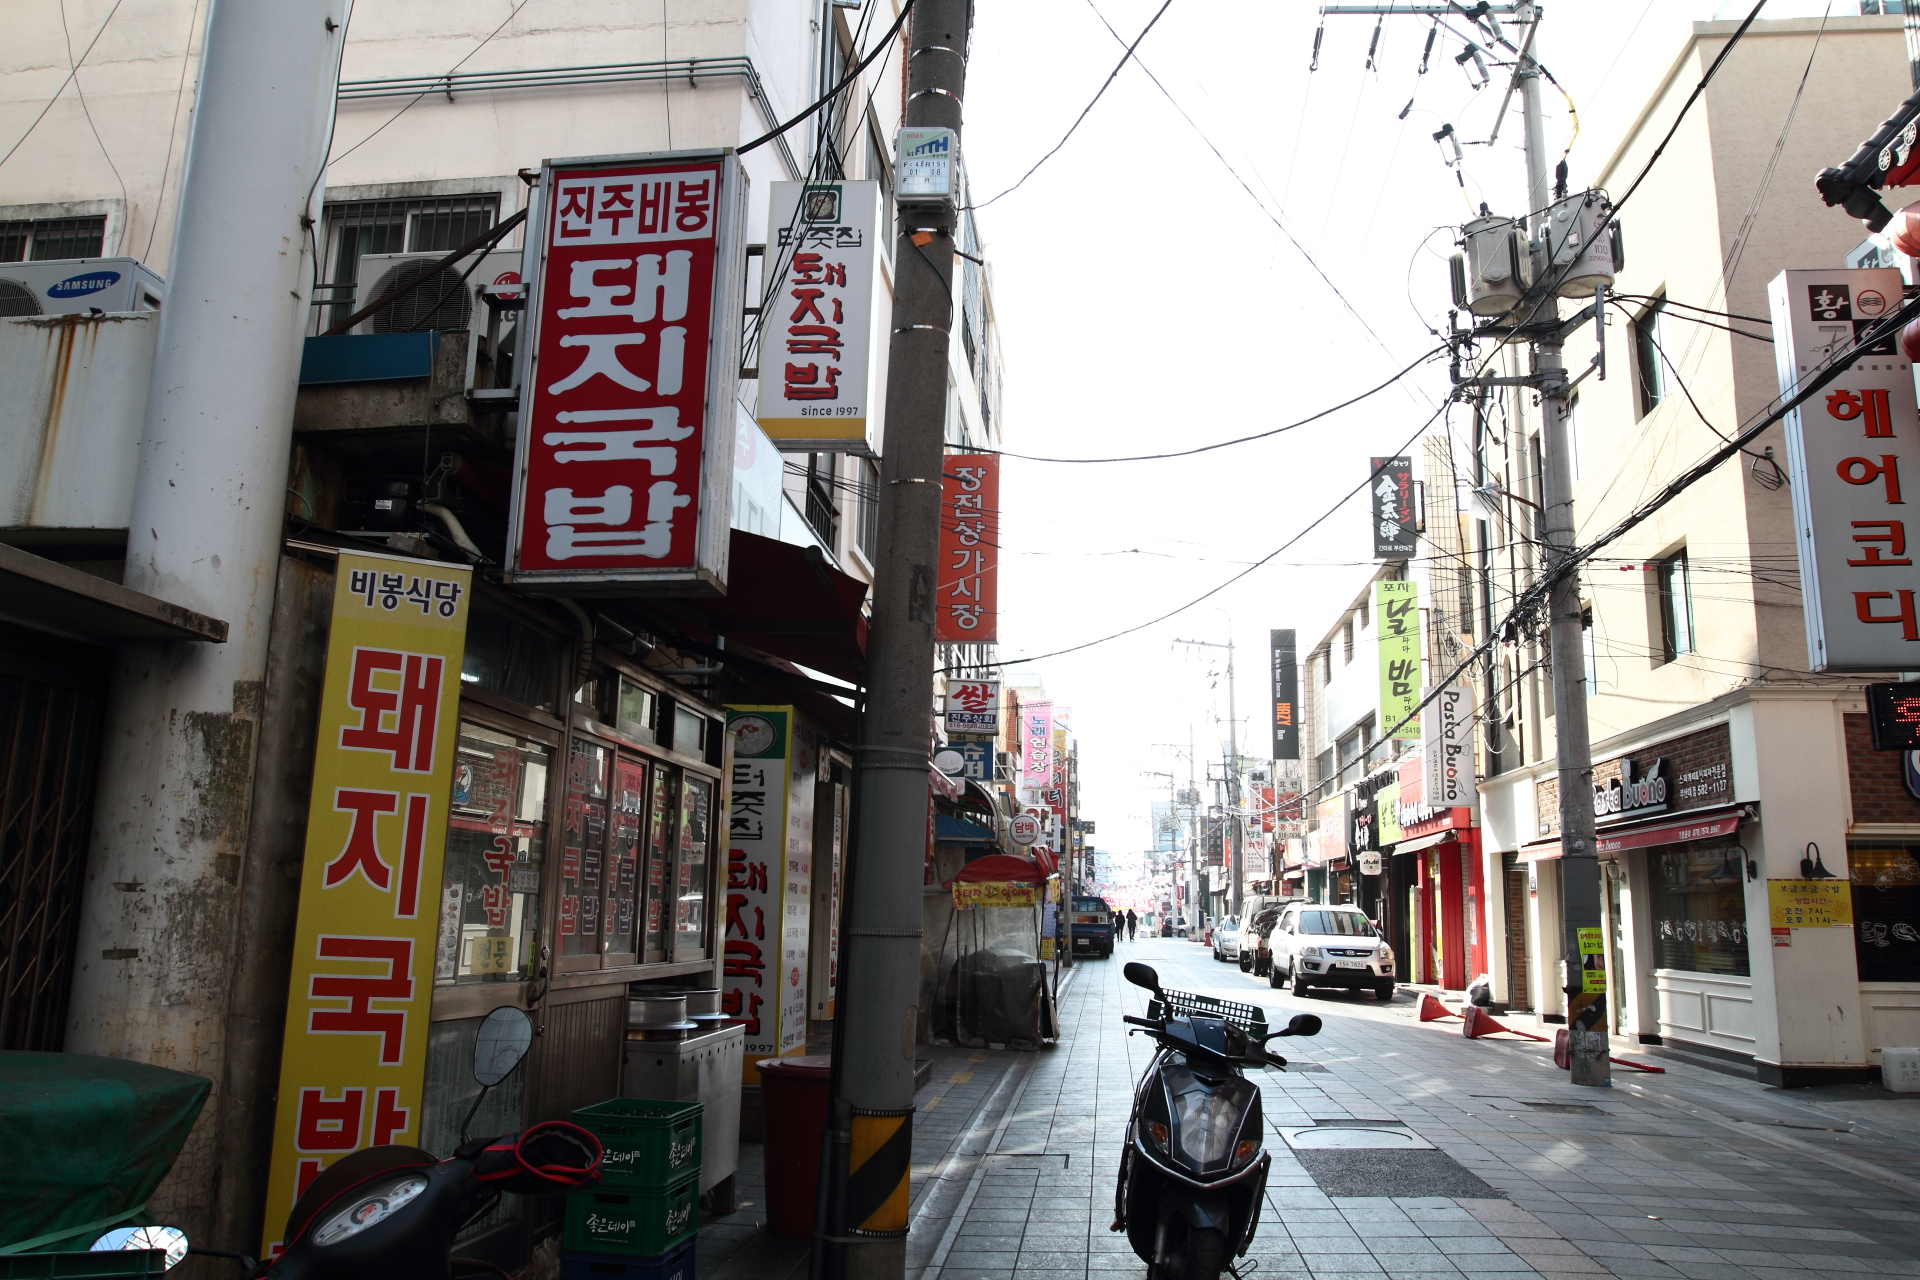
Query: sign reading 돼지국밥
816	391
363	954
1397	626
623	467
967	597
1390	486
1286	694
1852	452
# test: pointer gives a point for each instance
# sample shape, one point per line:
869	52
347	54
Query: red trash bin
794	1097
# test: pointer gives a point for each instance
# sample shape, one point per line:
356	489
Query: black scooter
1194	1168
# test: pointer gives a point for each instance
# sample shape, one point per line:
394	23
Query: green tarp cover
84	1139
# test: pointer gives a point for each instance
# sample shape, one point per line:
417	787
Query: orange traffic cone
1431	1010
1477	1022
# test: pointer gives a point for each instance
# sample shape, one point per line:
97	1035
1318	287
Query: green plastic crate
83	1266
649	1144
633	1222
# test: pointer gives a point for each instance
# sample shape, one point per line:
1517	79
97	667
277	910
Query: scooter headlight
368	1208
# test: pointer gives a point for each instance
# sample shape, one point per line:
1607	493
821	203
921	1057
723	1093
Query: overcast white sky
1147	302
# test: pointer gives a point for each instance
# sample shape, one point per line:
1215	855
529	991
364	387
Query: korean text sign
1397	623
1852	456
363	953
769	879
973	706
993	893
1810	904
967	598
625	453
1394	520
1286	694
1036	745
816	334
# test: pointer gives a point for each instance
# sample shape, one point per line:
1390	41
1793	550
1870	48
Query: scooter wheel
1206	1254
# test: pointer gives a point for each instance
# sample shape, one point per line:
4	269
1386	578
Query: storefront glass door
690	870
496	845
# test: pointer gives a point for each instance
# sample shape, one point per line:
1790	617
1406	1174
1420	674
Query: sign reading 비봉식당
353	1066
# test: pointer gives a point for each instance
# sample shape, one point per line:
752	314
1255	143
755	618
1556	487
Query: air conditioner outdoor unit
76	286
444	302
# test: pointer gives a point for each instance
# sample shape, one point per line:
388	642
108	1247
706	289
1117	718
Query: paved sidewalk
1688	1174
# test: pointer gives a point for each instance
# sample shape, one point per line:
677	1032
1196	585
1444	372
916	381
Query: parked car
1226	939
1092	927
1315	945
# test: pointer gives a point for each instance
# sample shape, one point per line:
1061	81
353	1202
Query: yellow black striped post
878	1161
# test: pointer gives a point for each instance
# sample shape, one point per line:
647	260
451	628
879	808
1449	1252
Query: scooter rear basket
1249	1018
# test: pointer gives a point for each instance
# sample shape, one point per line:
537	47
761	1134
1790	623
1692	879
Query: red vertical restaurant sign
968	597
624	459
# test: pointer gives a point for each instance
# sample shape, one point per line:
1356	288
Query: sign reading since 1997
1846	448
624	459
815	387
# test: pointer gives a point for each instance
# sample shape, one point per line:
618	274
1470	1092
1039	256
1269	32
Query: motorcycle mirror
1302	1024
504	1038
1141	975
171	1240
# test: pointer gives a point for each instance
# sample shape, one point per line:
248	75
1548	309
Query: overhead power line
886	42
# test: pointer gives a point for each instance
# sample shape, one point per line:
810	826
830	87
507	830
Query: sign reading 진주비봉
353	1067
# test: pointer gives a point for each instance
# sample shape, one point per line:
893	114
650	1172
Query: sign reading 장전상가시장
816	391
967	591
353	1066
1846	447
623	466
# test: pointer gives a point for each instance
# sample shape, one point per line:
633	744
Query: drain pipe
455	530
585	668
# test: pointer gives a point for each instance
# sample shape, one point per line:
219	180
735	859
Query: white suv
1323	946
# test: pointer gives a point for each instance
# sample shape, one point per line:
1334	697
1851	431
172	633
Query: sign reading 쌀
973	706
1852	453
623	463
816	390
361	989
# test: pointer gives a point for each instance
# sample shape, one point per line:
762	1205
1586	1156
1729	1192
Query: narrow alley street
1688	1174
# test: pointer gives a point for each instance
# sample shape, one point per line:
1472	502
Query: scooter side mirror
505	1035
170	1240
1142	975
1302	1024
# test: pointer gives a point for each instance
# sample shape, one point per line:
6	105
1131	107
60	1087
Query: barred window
49	239
353	229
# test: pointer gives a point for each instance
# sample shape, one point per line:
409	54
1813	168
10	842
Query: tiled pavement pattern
1690	1174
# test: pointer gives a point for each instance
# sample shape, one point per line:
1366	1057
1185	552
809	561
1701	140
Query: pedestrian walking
1133	922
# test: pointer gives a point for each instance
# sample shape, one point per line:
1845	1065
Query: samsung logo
80	286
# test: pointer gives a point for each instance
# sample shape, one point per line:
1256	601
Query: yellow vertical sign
357	1004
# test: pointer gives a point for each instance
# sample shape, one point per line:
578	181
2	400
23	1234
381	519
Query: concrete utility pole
1234	839
883	909
160	934
1587	1018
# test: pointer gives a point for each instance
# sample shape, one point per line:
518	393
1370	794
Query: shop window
636	710
1699	910
1675	597
690	872
599	855
510	656
689	731
1886	910
1646	353
661	808
496	846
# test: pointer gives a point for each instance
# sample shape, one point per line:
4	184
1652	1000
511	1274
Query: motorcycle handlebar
1151	1024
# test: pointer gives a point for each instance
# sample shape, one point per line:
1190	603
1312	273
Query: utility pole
1587	1018
165	947
873	1104
1234	838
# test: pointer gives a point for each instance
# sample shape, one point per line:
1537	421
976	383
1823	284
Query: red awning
943	786
787	601
1003	867
1705	826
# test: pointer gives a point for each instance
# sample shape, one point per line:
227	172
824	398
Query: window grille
353	229
51	239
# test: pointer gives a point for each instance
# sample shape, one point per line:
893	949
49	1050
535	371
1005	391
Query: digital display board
1894	712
